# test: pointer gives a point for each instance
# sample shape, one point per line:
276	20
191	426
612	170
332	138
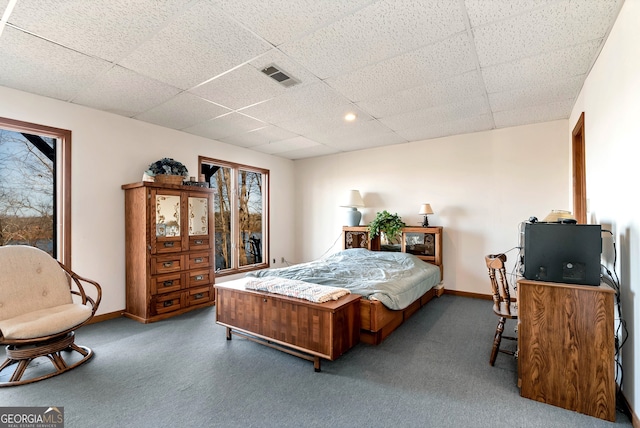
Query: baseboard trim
469	294
107	316
635	422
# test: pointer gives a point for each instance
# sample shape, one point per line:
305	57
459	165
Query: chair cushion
45	322
31	280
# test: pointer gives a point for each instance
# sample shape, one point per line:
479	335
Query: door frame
579	172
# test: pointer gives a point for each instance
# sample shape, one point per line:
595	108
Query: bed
393	285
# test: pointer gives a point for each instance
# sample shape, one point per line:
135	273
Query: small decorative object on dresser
168	171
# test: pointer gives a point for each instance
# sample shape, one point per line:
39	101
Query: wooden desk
566	346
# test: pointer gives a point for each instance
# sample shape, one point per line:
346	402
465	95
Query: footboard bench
299	327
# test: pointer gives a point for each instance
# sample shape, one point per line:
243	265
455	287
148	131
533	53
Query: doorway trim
579	172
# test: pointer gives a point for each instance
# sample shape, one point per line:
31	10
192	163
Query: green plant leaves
390	224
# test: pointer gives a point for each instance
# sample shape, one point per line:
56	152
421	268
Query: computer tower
558	252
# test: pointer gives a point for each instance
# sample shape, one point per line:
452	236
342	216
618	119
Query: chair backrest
499	283
30	280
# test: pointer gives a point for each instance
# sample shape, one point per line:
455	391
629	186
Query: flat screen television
558	252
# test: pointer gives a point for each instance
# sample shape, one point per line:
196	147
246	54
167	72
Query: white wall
610	99
108	151
481	186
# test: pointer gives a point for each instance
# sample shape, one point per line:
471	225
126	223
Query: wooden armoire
169	250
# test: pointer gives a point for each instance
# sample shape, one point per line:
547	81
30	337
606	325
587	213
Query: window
240	213
35	202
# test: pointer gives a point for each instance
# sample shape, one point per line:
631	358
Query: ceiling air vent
279	76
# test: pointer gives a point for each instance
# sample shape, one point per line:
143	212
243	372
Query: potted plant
388	224
167	170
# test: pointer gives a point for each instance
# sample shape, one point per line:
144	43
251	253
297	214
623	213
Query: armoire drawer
199	277
167	264
163	303
199	242
199	295
199	260
166	283
168	245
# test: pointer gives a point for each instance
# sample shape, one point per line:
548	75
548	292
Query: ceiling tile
182	111
357	136
309	152
535	114
484	11
327	118
532	71
35	65
279	22
546	29
482	122
289	144
438	61
125	92
240	87
447	113
106	29
445	91
257	137
544	93
224	126
295	102
198	45
380	31
361	142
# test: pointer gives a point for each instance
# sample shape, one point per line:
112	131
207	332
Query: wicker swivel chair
503	306
42	303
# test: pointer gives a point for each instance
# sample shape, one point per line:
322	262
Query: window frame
235	167
62	180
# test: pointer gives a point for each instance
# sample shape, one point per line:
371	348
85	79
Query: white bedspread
295	288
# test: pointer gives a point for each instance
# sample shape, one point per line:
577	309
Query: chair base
497	339
23	355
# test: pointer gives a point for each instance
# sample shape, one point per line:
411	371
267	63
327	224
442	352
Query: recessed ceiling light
350	117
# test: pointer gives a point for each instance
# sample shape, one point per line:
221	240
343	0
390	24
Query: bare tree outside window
239	206
221	181
250	217
27	192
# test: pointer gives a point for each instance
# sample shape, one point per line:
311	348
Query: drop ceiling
411	70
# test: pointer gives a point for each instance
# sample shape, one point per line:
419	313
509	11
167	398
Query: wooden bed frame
376	320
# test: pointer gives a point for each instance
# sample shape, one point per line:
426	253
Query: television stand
566	346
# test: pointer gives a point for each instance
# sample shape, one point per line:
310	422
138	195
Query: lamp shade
425	209
353	199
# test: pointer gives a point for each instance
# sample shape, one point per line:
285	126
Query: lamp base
425	222
353	217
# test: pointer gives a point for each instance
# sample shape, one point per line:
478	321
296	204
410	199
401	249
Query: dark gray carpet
432	372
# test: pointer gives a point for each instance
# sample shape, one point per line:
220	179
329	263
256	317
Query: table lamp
354	200
425	209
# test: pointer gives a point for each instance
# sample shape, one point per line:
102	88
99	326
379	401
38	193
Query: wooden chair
503	306
42	303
